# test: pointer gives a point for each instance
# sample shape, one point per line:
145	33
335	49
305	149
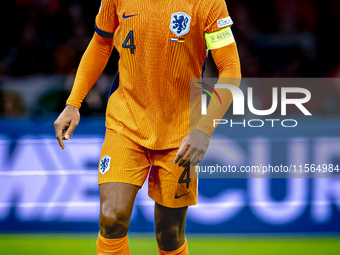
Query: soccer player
162	44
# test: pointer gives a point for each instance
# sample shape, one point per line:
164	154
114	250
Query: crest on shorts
180	23
104	165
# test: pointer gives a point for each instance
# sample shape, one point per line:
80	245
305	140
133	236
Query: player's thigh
116	203
117	197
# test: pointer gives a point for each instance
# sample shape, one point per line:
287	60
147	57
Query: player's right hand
65	124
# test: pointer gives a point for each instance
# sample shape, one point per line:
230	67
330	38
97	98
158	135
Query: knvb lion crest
104	164
180	23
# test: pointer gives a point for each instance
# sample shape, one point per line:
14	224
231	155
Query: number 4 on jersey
130	46
186	173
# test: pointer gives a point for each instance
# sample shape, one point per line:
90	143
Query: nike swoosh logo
177	197
128	16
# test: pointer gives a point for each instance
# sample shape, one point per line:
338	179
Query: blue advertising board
43	188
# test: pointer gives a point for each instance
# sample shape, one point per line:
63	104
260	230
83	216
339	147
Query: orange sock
112	246
183	250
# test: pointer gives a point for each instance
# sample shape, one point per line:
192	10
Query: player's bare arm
195	144
65	124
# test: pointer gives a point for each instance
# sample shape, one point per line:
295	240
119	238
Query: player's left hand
193	148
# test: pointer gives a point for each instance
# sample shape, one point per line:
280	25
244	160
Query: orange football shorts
123	160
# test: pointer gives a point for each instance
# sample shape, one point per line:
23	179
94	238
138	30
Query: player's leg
123	168
173	189
116	203
169	229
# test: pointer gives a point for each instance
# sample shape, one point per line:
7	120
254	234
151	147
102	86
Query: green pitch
208	245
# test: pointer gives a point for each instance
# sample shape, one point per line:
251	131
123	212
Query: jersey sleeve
217	29
106	19
218	16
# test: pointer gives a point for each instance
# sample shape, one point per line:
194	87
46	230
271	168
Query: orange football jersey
161	46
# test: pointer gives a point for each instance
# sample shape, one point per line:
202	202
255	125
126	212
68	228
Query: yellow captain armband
219	39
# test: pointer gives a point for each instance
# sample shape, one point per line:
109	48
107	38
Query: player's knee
168	237
114	223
